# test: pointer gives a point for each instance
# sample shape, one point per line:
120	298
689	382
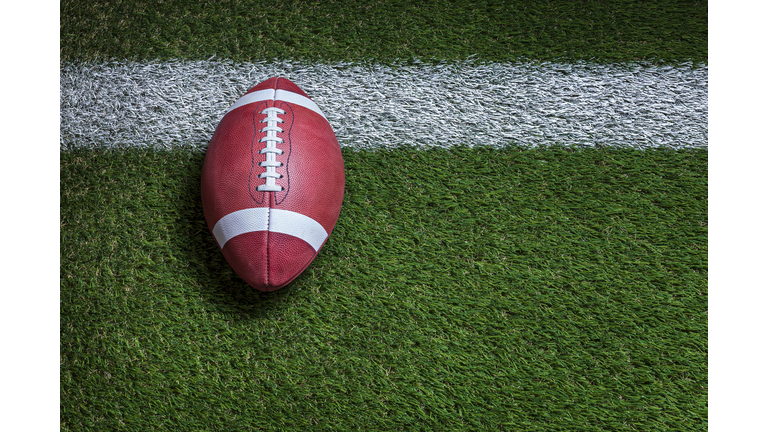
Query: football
272	183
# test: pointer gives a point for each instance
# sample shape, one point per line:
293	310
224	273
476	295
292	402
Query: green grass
544	290
465	289
385	31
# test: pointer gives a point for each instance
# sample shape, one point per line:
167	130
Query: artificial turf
245	30
500	289
550	289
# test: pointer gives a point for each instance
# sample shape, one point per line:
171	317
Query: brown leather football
272	183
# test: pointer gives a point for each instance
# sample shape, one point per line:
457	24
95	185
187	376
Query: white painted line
179	103
297	99
257	96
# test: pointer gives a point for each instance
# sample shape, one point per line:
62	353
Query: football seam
288	158
269	206
253	157
269	214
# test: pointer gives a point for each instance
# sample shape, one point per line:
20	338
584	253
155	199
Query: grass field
545	289
604	31
542	289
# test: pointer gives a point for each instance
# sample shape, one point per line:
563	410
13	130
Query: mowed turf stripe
244	30
171	104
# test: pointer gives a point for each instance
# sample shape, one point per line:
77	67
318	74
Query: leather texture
311	177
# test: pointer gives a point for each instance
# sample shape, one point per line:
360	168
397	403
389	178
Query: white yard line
179	103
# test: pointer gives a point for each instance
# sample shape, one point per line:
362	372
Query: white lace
271	150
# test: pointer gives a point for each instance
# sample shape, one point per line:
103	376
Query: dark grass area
598	31
547	290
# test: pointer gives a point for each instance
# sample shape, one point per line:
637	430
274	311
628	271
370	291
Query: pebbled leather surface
312	179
